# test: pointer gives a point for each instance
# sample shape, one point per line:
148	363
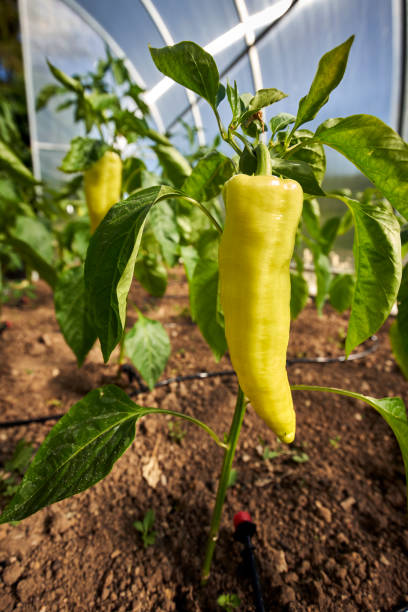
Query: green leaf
64	79
248	161
330	71
298	295
311	152
402	301
229	601
346	223
175	165
79	451
392	409
262	98
234	102
151	274
208	176
8	190
162	222
323	277
399	330
190	258
71	311
204	305
21	457
298	171
377	255
34	244
221	94
132	174
189	65
208	245
404	234
341	291
119	71
399	348
64	105
280	122
46	93
76	235
11	163
83	153
328	234
148	519
111	260
148	347
378	151
134	92
102	101
131	126
311	217
84	112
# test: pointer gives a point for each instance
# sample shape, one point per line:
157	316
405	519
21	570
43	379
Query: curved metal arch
164	32
217	45
399	108
29	87
117	50
252	50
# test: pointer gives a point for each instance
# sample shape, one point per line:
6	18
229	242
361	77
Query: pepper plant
264	180
110	107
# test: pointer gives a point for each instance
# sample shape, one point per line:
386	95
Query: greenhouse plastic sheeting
259	43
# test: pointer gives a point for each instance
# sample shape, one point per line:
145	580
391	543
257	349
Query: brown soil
332	530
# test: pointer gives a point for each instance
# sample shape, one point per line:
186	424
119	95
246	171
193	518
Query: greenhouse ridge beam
168	39
252	50
241	55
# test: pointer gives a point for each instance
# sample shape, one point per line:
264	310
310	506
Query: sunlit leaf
376	149
208	176
188	64
377	257
330	71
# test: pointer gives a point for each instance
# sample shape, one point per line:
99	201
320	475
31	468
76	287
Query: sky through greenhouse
258	43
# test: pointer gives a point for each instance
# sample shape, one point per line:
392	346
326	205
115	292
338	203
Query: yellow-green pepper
262	216
102	184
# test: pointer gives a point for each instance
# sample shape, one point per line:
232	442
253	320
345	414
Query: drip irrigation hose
133	375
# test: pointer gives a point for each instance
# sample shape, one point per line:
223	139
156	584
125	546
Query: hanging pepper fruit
262	216
103	183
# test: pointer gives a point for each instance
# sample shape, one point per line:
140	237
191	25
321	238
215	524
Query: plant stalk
223	483
205	211
226	137
264	163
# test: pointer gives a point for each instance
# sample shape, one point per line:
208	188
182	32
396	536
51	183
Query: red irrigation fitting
244	530
5	325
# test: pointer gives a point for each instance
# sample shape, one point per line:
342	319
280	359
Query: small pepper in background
103	184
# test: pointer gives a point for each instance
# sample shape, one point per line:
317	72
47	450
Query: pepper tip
287	438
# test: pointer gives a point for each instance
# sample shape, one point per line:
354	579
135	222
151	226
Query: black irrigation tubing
132	374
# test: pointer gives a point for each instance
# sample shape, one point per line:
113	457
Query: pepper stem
223	483
264	163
